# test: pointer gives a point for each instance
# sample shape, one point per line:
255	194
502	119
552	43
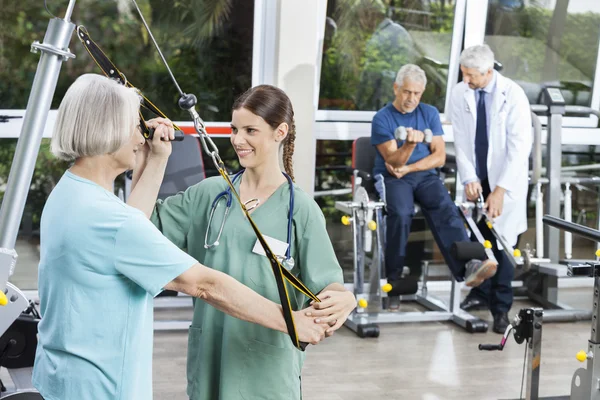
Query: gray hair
411	72
97	116
480	57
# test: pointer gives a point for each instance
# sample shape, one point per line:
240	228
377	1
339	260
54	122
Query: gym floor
420	361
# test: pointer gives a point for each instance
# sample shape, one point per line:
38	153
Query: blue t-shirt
101	264
389	118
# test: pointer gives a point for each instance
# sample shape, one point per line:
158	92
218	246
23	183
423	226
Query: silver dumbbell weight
401	134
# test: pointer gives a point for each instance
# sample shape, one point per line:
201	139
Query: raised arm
150	166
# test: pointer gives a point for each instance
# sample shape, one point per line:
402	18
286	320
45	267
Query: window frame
264	42
470	19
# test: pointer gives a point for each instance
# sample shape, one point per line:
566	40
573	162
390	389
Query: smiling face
254	141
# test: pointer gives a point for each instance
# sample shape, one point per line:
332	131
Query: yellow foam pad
346	220
386	288
362	303
581	356
3	299
372	225
517	253
487	244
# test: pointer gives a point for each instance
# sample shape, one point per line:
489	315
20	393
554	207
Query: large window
366	43
208	46
547	43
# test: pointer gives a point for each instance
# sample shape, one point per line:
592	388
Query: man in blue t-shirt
408	168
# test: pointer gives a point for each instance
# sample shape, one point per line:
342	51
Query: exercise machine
18	317
543	265
527	326
365	216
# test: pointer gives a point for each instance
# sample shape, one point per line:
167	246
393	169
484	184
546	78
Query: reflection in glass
547	43
207	43
367	42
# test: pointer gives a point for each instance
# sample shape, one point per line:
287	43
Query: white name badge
277	247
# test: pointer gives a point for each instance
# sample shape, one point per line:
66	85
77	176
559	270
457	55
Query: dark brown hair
274	106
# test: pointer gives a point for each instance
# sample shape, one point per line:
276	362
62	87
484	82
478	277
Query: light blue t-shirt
101	264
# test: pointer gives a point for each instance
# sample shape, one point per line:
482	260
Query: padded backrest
363	159
184	168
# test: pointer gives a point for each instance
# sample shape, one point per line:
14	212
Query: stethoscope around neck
287	260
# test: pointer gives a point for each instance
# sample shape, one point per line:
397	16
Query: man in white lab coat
491	123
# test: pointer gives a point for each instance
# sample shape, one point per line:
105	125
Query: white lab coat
510	142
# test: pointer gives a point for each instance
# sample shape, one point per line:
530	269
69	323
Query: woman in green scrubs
230	359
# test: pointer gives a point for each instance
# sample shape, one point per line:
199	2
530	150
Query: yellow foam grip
362	303
386	288
487	244
581	356
3	299
372	225
346	220
517	253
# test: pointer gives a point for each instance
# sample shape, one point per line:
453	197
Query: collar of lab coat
499	95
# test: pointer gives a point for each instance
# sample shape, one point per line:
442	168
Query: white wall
297	60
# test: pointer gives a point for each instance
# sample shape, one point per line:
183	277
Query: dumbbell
400	133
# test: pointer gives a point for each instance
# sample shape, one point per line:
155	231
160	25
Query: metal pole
539	225
54	51
598	218
551	235
534	355
568	218
537	149
583	231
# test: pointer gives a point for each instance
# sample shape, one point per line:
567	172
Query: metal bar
69	11
567	315
568	218
534	354
537	149
598	218
551	235
539	226
57	37
595	336
583	180
583	231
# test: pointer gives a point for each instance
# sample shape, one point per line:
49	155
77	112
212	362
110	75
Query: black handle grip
303	345
179	135
490	347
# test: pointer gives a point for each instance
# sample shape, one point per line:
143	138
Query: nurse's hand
164	133
333	310
308	331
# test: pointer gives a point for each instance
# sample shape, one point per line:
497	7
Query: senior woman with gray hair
102	261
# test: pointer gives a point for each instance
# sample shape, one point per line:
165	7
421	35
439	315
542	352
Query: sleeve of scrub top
146	257
319	266
172	218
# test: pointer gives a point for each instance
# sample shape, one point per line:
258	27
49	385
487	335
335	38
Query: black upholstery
363	159
185	167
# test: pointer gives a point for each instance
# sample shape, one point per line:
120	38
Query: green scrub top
228	358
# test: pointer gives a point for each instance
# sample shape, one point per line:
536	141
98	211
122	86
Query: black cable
158	48
523	374
46	5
